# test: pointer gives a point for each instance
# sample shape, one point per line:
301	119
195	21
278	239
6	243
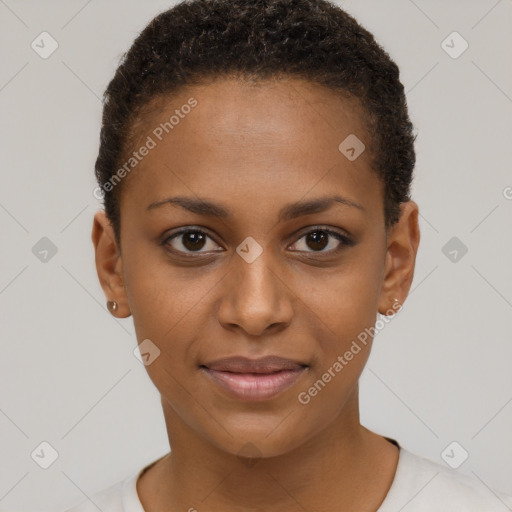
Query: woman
256	160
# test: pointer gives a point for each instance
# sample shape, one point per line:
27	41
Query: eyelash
343	239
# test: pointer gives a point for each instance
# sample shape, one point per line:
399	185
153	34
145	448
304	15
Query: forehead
251	138
274	107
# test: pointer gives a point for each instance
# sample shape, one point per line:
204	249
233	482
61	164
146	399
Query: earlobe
109	265
403	242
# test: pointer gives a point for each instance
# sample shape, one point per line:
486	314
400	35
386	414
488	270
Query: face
245	231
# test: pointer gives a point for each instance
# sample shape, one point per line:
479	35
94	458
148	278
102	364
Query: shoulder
423	485
119	497
107	500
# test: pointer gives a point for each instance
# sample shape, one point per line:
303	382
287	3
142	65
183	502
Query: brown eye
318	239
190	240
193	240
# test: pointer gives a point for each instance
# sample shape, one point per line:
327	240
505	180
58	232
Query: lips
240	364
254	379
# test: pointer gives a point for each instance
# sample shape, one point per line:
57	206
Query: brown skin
254	149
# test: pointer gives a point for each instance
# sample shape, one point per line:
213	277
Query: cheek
344	305
164	303
344	300
344	314
169	312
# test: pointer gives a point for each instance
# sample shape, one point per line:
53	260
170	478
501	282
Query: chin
255	438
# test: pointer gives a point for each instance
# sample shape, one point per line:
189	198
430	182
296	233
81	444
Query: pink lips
254	379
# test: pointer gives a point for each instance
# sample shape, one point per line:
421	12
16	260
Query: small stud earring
112	306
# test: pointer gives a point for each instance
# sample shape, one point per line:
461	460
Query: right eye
190	241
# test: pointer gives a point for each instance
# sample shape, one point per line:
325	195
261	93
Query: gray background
439	372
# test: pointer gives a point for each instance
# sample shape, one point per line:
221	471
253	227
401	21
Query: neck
343	467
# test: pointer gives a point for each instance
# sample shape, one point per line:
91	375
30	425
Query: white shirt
419	485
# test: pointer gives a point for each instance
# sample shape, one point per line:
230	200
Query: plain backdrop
438	373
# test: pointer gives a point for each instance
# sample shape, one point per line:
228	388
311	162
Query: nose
256	298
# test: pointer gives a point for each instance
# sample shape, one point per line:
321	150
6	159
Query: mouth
254	379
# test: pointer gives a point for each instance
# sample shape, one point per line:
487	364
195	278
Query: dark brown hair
313	40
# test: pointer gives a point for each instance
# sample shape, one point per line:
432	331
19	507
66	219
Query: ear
109	264
402	241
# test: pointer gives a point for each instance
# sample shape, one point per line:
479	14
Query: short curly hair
313	40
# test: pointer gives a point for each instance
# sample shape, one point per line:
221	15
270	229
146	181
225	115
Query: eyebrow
288	212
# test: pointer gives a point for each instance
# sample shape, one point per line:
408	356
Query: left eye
321	240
